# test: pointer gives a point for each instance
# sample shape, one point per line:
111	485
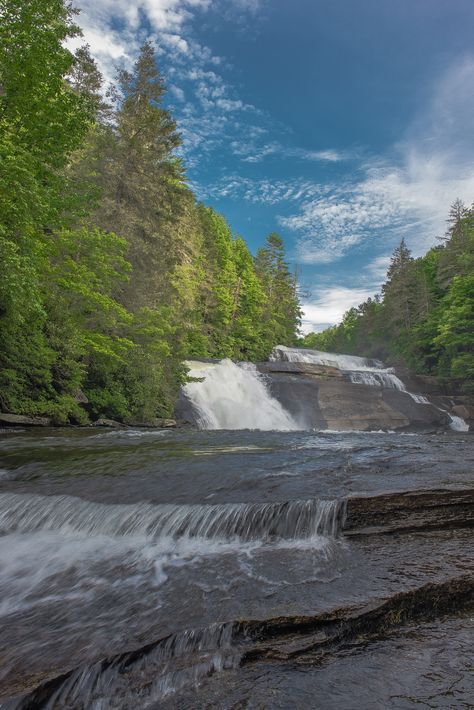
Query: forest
112	273
423	319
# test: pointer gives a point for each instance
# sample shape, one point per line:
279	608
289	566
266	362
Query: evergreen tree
426	317
247	307
282	314
112	274
399	290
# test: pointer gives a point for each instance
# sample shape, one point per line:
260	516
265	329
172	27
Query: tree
247	307
399	290
282	314
141	181
426	316
42	121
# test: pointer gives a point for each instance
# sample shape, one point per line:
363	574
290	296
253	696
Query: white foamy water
360	370
317	357
20	513
183	659
44	539
457	423
234	396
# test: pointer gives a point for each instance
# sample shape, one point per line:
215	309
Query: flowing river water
236	568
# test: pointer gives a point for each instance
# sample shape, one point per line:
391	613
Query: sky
343	125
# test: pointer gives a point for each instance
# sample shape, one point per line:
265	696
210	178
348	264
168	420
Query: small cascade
316	357
457	423
231	396
378	378
360	371
291	520
144	677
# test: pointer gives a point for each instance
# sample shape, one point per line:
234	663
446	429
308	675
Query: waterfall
378	378
456	423
144	677
231	396
360	371
290	520
316	357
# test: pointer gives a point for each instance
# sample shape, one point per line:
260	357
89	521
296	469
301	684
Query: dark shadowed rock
157	423
111	423
463	411
23	420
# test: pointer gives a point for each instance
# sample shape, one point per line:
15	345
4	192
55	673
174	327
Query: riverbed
150	568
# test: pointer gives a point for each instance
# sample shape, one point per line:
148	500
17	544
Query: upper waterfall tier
360	370
281	353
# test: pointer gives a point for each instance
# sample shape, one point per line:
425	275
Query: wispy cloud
255	150
206	105
114	29
407	194
327	306
263	191
376	269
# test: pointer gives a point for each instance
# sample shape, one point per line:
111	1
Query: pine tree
282	314
399	290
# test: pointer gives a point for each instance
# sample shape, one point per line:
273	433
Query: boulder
23	420
461	410
157	423
111	423
80	397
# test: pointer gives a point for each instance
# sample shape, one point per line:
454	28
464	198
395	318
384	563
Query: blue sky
344	125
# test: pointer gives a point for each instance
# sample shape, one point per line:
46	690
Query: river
241	568
113	540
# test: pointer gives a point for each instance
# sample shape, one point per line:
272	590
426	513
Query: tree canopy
112	273
425	315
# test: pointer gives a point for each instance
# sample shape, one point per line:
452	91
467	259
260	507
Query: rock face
23	420
322	398
110	423
330	391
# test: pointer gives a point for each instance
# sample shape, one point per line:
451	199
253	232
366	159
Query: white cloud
377	268
262	191
177	92
113	28
329	305
408	195
253	150
207	107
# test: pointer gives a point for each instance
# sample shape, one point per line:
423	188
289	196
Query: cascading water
182	659
360	371
231	396
456	423
317	357
117	559
290	520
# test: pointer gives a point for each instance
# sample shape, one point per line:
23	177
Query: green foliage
112	274
426	316
281	316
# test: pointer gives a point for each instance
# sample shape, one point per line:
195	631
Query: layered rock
322	395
